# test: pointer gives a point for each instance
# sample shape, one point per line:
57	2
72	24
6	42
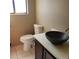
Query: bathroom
51	14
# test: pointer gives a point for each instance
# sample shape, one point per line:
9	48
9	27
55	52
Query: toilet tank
38	28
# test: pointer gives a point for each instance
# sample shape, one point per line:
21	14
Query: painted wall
53	14
22	24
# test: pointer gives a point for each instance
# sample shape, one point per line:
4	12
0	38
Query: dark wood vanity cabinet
38	51
41	52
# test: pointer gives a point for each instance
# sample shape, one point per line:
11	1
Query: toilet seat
25	38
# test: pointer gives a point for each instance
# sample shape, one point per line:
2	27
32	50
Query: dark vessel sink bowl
56	37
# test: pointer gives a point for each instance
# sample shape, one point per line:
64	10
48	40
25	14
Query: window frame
15	13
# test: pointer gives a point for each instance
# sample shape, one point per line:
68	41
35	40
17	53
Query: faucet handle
66	29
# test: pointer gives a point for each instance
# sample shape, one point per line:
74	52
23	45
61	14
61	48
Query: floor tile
17	52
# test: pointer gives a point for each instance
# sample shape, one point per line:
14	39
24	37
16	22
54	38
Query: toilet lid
26	37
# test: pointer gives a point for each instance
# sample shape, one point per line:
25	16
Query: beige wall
52	14
22	24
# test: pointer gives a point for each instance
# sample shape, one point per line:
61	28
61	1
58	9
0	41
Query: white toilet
28	40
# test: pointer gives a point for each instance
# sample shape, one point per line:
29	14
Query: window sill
19	14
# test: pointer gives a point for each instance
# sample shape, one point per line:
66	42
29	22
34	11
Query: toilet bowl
28	40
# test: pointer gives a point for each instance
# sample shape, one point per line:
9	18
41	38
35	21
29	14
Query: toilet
28	40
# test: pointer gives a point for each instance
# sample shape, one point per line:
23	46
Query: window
18	6
11	7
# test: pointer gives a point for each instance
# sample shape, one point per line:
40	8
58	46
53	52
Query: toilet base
28	46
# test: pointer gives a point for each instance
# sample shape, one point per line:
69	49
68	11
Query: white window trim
27	10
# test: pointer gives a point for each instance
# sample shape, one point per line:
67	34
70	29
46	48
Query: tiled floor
17	52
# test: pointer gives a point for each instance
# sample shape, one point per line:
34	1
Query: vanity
44	49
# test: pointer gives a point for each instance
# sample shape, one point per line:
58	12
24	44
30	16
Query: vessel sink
56	37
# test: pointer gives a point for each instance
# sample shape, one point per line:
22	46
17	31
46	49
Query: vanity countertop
59	51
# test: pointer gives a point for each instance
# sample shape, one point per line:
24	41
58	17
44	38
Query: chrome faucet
66	29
